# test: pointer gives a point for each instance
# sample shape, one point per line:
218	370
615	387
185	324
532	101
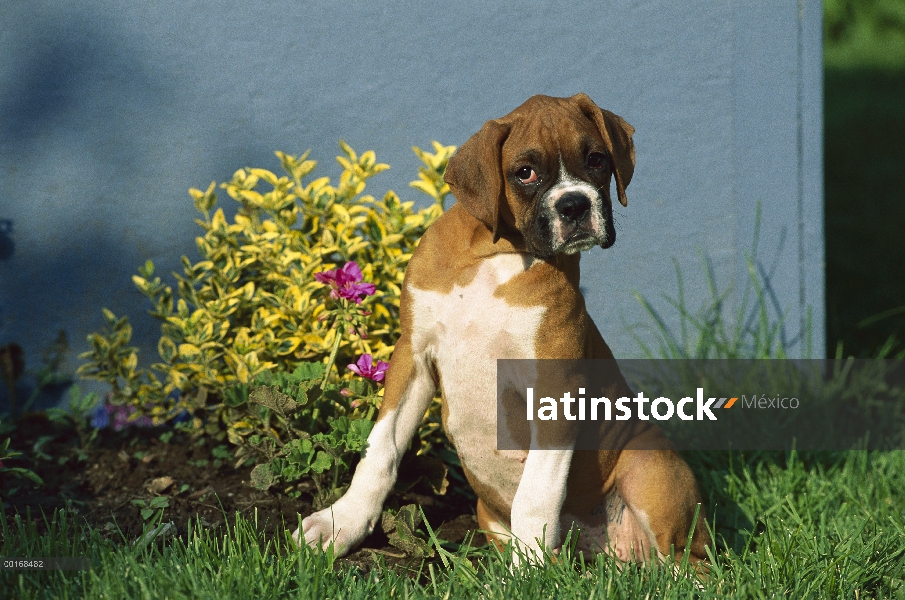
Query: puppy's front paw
530	553
532	541
344	527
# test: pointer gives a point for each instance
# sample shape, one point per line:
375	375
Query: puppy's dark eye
526	175
596	160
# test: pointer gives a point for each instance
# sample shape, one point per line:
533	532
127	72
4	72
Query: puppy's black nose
573	206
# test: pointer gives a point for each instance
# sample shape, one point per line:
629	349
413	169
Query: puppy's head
543	172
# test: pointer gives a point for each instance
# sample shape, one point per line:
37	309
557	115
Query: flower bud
355	403
347	392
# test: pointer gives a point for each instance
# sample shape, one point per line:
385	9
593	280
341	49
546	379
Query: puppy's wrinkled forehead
549	130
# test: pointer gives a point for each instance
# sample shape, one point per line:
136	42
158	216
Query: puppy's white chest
463	333
474	323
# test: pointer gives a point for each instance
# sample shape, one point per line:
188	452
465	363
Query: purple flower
366	368
120	416
346	283
106	415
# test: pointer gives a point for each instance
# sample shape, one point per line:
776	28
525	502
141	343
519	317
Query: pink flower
346	283
366	368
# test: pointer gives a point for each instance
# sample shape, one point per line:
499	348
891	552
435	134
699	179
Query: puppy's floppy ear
617	135
475	175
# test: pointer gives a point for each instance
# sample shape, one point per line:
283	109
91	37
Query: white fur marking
644	523
538	502
466	331
568	183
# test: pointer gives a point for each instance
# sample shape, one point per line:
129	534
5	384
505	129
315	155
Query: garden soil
123	469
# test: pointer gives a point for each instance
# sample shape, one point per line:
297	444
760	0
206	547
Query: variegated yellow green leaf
187	351
348	150
166	348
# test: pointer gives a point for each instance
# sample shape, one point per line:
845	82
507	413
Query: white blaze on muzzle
590	227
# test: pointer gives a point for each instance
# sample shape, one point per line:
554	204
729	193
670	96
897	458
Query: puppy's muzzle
573	207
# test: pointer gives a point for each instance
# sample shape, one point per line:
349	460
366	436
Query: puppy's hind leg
660	498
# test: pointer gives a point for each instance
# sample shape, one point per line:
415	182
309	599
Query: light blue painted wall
111	110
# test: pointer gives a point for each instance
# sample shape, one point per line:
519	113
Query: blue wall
111	110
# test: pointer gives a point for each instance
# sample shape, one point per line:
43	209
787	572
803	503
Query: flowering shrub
322	451
251	324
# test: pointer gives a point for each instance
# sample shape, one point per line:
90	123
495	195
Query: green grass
828	526
757	327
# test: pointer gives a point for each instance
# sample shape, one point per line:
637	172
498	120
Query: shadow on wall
71	98
91	132
7	246
66	70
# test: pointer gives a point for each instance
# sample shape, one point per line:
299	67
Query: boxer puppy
496	276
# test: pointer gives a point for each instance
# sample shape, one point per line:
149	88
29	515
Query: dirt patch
124	472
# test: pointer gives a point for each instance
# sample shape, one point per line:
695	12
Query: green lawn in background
864	104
